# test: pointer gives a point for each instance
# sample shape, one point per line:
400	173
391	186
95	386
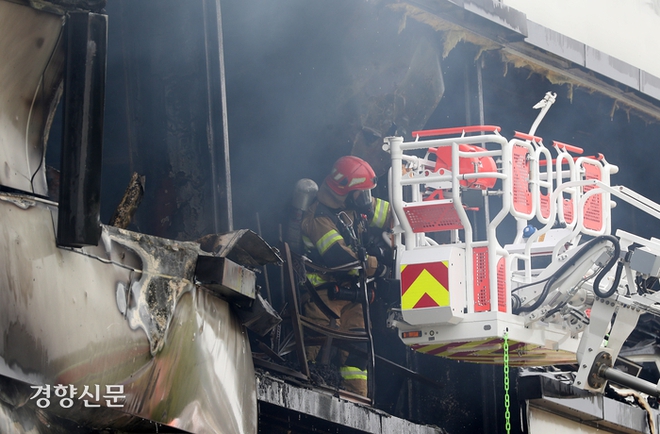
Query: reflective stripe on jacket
381	213
353	373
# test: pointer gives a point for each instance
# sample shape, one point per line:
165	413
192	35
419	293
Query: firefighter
336	229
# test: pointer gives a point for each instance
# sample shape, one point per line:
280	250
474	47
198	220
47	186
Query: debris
129	203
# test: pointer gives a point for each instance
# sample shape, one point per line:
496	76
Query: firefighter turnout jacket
333	238
330	232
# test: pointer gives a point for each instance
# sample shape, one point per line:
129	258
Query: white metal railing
534	187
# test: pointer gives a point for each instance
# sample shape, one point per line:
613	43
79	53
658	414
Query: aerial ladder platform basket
541	273
458	293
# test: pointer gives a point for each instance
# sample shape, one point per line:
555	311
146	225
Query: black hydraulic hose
585	248
615	284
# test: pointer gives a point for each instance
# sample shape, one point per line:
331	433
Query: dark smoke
304	81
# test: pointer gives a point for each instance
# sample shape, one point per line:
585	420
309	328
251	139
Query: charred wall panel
167	100
84	94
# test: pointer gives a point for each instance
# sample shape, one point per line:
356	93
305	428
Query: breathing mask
361	202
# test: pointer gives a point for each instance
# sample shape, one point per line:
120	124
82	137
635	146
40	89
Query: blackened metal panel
550	392
323	412
84	94
168	93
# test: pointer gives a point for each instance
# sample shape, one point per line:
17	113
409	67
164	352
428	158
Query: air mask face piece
361	203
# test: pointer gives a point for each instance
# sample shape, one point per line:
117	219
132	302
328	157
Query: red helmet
351	173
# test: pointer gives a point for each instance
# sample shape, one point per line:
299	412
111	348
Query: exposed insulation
557	78
453	33
639	398
552	76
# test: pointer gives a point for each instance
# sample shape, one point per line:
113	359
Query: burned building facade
220	107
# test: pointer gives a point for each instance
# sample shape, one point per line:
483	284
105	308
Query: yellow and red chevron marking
490	351
425	285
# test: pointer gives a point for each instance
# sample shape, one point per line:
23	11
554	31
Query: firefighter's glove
372	265
376	250
381	271
376	269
